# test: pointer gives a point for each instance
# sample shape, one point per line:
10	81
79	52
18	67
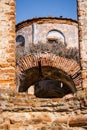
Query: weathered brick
82	16
7	9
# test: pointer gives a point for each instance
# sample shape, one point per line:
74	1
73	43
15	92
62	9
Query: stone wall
7	49
24	112
82	18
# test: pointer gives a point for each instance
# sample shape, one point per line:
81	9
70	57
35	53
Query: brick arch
68	66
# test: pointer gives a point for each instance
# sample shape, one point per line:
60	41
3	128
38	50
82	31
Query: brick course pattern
7	47
24	112
82	18
72	69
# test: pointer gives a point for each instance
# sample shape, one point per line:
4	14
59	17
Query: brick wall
31	61
82	18
7	40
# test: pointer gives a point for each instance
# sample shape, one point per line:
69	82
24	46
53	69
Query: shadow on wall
50	89
49	83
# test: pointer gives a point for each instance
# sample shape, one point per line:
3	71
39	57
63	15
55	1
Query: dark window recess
20	40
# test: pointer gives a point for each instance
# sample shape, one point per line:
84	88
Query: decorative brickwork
31	61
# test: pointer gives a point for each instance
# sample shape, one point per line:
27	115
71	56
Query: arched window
56	36
20	40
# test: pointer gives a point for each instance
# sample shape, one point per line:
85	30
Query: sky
27	9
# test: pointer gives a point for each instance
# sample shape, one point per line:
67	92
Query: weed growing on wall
54	47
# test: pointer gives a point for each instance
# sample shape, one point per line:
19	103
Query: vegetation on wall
19	52
54	47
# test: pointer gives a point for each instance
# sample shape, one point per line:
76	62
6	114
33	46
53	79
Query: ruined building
43	76
54	43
